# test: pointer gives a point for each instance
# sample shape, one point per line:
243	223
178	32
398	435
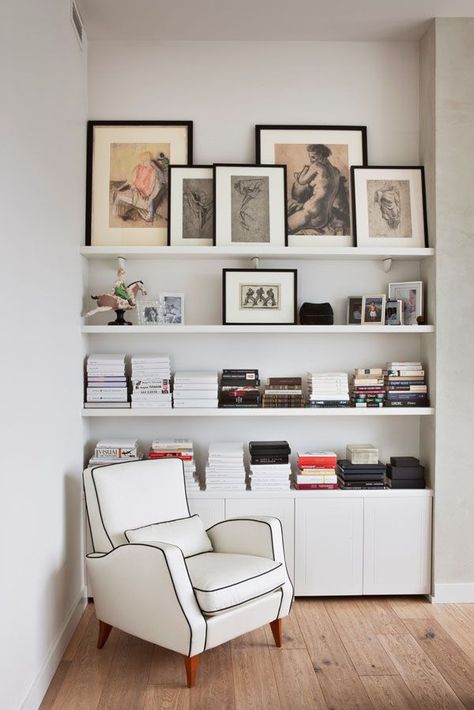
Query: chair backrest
129	495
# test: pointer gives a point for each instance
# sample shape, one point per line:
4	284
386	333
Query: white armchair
151	590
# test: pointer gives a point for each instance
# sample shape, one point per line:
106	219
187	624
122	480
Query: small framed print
354	310
249	203
191	206
318	161
394	312
389	206
172	308
127	179
259	296
149	311
373	310
411	294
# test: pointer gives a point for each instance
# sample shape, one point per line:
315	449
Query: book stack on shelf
368	387
109	451
270	468
195	390
316	470
405	385
405	472
328	389
239	389
282	392
106	382
225	468
361	469
178	449
151	381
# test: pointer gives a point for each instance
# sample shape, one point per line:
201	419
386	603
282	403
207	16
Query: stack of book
360	476
239	388
115	451
225	468
362	453
106	382
283	392
270	468
151	381
405	472
195	390
328	389
368	387
405	385
316	470
178	449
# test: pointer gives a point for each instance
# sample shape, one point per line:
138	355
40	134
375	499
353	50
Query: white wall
42	191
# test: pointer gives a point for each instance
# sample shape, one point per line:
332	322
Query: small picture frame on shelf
172	308
411	294
373	310
394	312
259	296
250	205
149	311
354	310
389	206
191	206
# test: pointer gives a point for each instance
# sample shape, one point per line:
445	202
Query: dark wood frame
390	167
259	271
264	127
90	151
251	165
170	168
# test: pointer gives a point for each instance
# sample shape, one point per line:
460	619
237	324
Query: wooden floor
337	654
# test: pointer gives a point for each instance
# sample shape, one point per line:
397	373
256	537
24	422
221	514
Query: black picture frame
170	169
307	127
91	125
225	321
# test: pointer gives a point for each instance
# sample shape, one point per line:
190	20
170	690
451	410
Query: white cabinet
210	510
397	545
328	546
282	508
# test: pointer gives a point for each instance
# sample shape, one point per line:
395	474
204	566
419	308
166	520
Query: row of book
400	384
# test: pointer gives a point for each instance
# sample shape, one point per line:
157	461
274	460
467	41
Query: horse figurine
122	298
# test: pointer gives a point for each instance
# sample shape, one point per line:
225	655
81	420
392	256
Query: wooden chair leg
276	627
104	632
191	663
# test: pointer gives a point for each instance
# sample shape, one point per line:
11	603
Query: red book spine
316	486
169	455
315	462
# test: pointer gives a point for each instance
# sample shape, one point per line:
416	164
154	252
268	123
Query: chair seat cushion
223	581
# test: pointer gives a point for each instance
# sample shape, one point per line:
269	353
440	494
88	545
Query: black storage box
316	314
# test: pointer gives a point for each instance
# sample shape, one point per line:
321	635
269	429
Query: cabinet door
210	510
397	545
277	507
328	546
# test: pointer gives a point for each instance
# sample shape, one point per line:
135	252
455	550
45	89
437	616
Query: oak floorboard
214	689
292	636
80	630
359	638
412	607
389	692
128	679
383	618
158	697
457	624
297	682
453	664
425	682
55	685
254	679
167	668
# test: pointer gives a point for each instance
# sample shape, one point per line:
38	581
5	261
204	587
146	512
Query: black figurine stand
120	320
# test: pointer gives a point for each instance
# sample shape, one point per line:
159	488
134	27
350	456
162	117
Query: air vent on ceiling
77	23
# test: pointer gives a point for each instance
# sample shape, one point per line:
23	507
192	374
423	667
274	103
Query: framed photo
318	161
249	205
127	179
354	310
389	206
190	206
394	312
149	311
172	308
259	296
411	293
373	310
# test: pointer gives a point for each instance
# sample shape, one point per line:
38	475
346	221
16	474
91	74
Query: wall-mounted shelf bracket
387	265
256	261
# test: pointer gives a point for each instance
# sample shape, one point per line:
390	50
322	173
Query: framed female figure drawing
318	161
127	179
191	206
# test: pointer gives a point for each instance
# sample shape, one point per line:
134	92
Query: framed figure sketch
318	161
127	179
191	206
259	296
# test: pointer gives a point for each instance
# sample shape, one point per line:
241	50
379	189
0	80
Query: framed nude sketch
191	206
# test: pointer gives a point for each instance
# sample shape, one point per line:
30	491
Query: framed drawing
318	161
249	203
389	206
190	205
259	296
373	309
411	293
127	179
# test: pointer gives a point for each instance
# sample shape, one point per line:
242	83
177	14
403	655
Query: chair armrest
145	590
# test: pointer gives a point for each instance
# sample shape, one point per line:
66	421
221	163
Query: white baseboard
56	651
462	593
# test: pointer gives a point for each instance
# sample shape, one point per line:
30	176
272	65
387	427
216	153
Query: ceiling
303	20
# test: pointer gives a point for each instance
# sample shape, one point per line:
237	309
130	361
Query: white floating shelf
247	252
256	329
308	412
